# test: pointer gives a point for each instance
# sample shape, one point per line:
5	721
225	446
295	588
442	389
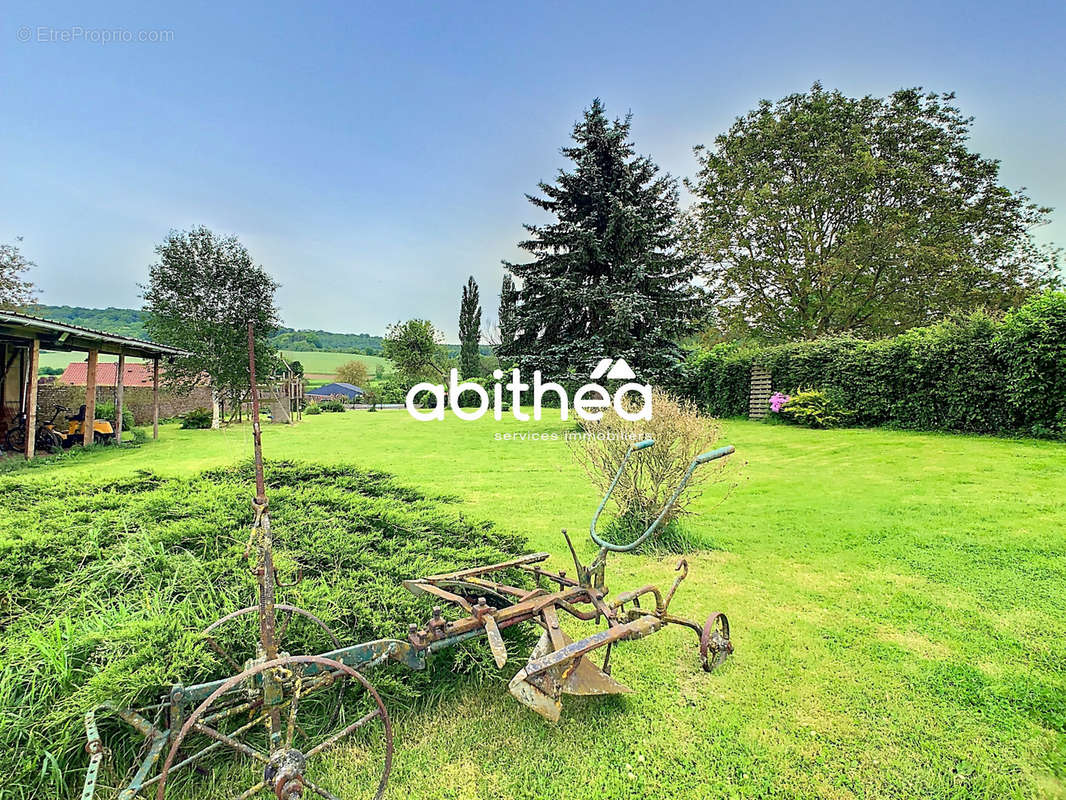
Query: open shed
22	337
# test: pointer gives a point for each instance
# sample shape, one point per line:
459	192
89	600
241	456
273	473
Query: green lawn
898	604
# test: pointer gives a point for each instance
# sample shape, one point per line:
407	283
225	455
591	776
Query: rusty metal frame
269	687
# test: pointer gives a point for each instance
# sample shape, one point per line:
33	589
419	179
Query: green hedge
971	373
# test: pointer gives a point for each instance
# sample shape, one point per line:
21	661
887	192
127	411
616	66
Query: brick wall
137	399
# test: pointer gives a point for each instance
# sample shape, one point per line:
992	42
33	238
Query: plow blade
551	673
587	679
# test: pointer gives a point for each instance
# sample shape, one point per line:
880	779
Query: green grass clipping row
105	587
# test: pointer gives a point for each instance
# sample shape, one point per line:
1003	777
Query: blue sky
372	156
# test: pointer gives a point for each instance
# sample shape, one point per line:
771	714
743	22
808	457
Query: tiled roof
106	372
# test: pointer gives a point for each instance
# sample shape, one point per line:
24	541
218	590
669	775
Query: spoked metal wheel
297	631
715	645
233	636
283	737
16	438
48	441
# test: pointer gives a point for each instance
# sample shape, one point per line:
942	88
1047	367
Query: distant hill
291	339
121	321
130	322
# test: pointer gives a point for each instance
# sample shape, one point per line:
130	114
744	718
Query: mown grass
897	600
107	585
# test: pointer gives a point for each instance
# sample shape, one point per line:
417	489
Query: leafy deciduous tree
200	297
825	214
15	291
414	347
354	372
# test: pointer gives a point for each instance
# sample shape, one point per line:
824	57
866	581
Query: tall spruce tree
470	331
608	277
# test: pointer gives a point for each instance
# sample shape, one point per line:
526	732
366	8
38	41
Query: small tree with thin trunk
414	348
200	297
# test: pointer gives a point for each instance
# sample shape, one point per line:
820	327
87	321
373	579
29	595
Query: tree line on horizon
130	322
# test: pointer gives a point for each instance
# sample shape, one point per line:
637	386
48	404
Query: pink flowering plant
777	401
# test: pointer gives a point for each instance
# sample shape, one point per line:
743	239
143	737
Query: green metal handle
703	458
711	455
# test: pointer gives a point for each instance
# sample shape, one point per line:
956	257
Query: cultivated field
319	364
897	602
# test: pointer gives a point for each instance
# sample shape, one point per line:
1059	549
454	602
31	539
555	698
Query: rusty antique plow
280	713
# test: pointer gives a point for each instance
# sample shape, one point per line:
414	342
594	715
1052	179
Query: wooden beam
87	433
155	397
120	385
31	398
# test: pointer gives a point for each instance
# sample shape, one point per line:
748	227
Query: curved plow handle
703	458
636	447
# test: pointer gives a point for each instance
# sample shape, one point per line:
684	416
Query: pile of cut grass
106	586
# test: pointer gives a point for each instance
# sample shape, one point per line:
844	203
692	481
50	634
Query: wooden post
155	397
31	398
120	384
87	433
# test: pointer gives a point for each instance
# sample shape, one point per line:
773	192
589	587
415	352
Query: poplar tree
507	310
470	331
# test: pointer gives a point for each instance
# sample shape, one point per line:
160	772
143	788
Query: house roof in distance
331	389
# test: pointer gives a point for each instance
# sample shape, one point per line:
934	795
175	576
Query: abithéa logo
589	401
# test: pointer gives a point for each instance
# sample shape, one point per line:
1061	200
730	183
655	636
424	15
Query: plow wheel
281	730
302	628
715	645
296	629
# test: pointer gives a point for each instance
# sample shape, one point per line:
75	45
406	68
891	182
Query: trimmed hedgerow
104	588
1034	336
814	409
972	373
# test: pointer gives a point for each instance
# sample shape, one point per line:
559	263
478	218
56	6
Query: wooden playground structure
282	394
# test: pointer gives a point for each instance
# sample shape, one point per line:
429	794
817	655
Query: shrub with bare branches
680	432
